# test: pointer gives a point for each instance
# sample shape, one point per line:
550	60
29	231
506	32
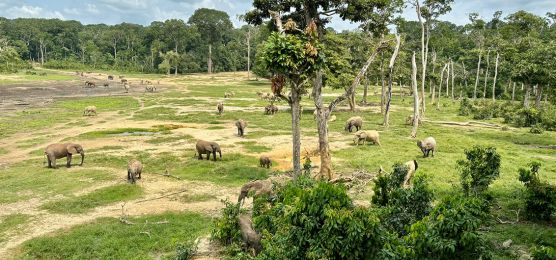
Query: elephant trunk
82	158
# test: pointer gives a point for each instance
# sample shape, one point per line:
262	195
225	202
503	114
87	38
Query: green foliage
540	196
185	251
450	231
225	229
536	129
466	107
543	253
406	206
385	184
480	169
108	238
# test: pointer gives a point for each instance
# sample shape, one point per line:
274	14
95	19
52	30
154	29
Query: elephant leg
54	163
214	155
200	157
69	161
128	175
139	177
208	156
433	153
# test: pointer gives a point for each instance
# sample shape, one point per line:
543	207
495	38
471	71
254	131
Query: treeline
172	46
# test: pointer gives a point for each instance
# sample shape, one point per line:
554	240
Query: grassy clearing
100	197
189	198
121	132
169	139
39	75
253	147
30	179
3	151
108	238
9	223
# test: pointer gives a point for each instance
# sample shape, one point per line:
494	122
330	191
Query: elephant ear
72	149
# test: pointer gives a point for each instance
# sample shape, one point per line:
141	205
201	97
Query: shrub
386	183
536	129
540	197
226	228
465	107
480	169
407	206
543	253
450	231
317	220
186	251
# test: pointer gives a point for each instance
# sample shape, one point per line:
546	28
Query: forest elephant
220	108
150	88
270	109
366	136
411	168
207	147
90	110
356	122
251	238
61	150
110	77
265	161
241	125
134	169
427	145
254	188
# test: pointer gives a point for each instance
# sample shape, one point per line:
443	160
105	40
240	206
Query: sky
145	11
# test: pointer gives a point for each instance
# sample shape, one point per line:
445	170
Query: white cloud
72	11
91	8
27	11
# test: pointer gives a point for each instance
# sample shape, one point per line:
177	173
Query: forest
284	138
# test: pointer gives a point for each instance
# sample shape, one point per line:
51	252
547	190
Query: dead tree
415	97
390	75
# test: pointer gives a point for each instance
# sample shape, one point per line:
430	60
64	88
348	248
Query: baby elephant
134	169
220	108
90	110
366	136
241	125
265	162
61	150
251	238
427	145
356	122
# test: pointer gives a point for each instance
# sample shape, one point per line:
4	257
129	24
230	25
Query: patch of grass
253	147
122	132
108	238
3	151
105	148
102	103
524	235
215	127
188	198
9	222
100	197
31	179
232	170
169	139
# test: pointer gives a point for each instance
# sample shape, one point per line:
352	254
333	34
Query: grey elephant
265	161
356	122
220	108
134	169
207	147
241	125
61	150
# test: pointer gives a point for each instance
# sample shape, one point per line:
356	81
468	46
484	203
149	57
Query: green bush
536	129
385	184
543	253
465	107
480	169
226	228
407	206
187	250
317	220
540	196
450	231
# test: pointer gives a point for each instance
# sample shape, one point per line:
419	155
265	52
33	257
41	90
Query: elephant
61	150
427	145
355	121
110	77
220	108
90	110
265	161
126	87
150	88
241	125
134	169
123	81
207	147
251	238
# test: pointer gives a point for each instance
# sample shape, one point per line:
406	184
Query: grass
3	151
169	139
253	147
100	197
9	223
108	238
121	132
30	179
189	198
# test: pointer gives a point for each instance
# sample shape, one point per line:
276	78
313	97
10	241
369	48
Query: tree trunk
383	85
477	79
390	75
249	54
325	172
424	54
440	86
538	97
486	75
495	77
513	92
464	79
296	131
209	61
365	90
447	80
453	78
527	94
431	81
152	59
415	97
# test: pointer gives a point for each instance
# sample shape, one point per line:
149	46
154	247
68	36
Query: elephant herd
149	86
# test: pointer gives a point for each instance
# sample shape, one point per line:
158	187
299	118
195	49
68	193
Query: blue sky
145	11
